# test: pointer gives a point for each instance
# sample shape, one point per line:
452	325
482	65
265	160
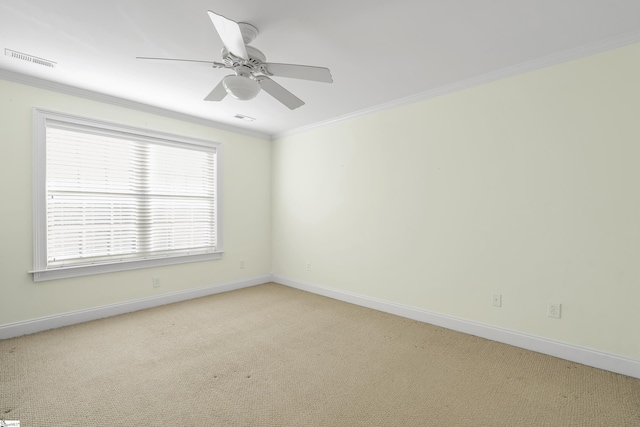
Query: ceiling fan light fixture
241	87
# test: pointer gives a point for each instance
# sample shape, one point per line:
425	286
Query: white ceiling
379	51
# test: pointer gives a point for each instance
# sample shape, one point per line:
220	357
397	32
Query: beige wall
528	186
247	198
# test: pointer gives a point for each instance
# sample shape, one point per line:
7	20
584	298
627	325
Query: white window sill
85	270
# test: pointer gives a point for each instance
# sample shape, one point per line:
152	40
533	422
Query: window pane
111	198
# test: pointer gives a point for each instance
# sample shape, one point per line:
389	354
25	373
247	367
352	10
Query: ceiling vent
243	117
29	58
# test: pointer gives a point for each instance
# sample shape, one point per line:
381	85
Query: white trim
525	67
91	269
585	356
71	318
121	102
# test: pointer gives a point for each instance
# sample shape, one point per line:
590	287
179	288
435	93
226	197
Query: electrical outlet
156	282
241	264
496	300
553	310
308	265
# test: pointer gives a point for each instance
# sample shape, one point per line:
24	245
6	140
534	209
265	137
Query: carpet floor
275	356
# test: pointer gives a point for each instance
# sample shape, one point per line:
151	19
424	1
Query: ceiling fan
252	73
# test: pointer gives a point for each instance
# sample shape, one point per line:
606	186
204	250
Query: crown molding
536	64
121	102
533	65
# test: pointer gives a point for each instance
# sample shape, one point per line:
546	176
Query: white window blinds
116	196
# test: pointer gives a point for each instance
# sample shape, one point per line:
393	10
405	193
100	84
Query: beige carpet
275	356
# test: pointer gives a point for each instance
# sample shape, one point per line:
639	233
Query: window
109	197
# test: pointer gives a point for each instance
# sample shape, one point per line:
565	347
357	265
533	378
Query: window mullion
143	213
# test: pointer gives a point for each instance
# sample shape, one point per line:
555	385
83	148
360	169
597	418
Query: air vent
29	58
245	118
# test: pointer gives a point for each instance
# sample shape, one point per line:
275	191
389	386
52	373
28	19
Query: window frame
40	271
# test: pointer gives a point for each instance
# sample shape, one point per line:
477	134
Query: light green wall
246	210
528	186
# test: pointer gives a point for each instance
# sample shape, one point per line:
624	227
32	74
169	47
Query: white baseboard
65	319
585	356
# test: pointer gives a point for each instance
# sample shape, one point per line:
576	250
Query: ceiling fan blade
217	94
215	64
305	72
230	34
281	94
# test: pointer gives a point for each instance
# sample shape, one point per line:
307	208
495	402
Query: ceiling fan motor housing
256	58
